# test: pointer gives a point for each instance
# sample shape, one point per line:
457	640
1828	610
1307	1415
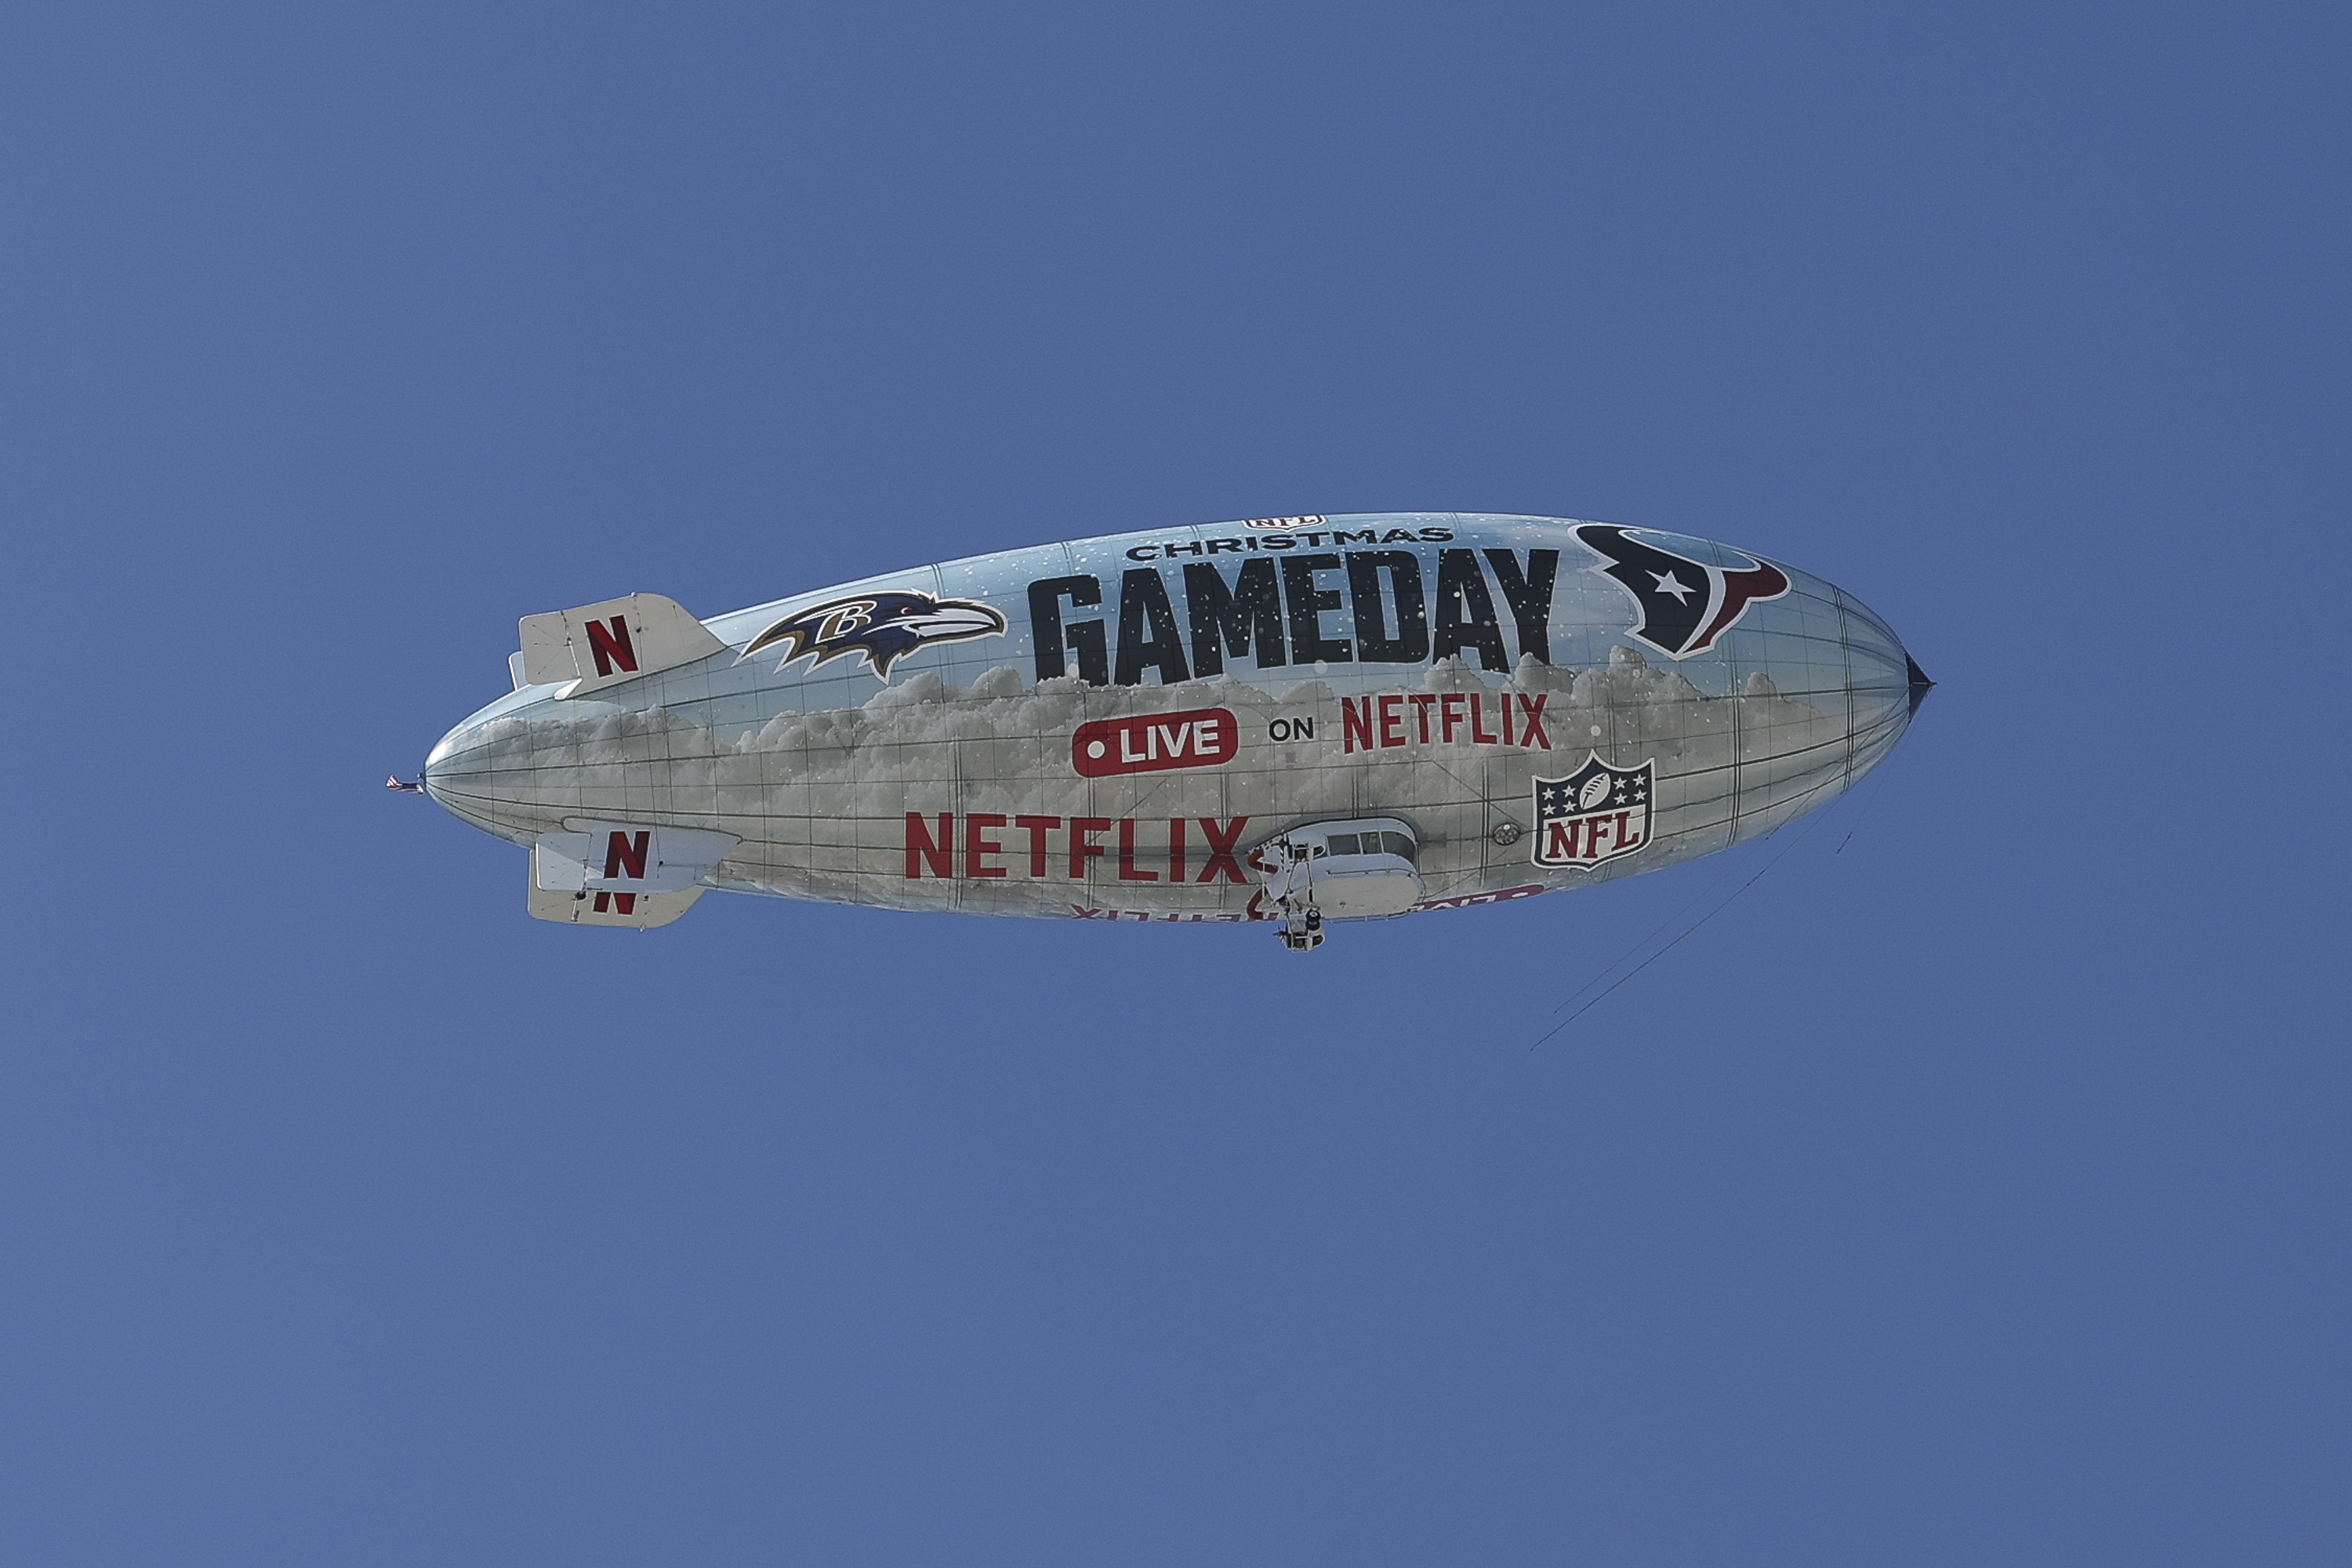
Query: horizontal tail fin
609	642
621	873
642	912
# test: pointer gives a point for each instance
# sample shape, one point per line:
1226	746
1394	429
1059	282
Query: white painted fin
593	856
608	642
620	873
642	912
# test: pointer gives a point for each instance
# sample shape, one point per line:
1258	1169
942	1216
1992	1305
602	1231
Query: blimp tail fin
608	642
642	912
621	873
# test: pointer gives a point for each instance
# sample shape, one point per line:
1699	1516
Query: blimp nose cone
438	775
1920	684
1877	688
450	778
484	773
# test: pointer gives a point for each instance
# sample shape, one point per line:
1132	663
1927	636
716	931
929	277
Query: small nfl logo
1594	815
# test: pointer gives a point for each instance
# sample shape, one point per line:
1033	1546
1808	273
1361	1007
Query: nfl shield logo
1594	815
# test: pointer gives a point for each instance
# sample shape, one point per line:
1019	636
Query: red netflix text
1042	848
1444	719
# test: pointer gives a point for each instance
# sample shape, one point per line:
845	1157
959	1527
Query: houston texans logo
885	628
1684	605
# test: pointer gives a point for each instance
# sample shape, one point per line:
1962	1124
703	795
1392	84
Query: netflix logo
1169	849
1444	719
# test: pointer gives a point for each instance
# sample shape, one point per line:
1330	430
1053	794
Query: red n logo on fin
613	647
622	857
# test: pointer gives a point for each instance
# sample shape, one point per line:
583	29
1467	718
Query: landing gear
1304	933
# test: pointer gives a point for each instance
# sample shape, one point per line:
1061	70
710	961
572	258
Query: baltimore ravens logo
1685	605
885	628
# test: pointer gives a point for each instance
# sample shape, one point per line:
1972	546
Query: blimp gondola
1298	720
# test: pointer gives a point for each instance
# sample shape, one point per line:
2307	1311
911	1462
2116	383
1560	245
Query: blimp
1298	720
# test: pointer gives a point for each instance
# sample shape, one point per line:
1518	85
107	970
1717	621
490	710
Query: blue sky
1971	1190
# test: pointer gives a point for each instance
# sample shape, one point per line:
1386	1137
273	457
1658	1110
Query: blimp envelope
1127	727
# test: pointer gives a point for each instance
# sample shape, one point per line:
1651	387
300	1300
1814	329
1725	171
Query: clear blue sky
1974	1194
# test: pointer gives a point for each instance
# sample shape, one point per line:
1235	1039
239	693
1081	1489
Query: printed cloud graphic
998	747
